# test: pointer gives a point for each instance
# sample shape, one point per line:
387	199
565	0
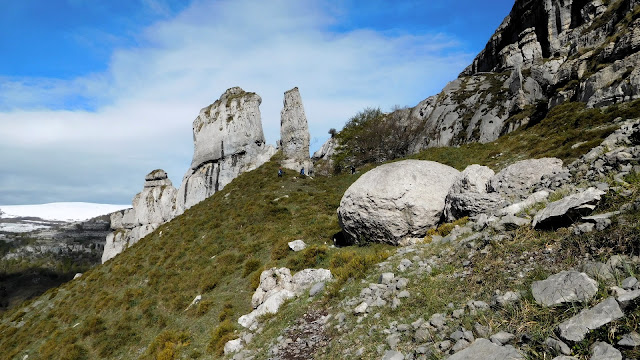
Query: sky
95	94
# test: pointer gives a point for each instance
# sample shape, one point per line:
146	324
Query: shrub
220	335
373	137
310	257
167	345
226	312
250	266
203	307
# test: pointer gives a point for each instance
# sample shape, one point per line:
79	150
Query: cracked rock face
153	206
294	132
228	140
395	201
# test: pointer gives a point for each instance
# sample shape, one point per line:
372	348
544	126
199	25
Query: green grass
564	126
217	249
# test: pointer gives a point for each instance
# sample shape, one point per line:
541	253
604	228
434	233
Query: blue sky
95	94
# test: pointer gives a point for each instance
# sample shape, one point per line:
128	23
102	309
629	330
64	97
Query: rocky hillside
511	247
543	54
189	288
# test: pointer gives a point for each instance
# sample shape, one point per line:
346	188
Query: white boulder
518	179
395	201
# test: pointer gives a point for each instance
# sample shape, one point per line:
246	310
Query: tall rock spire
294	132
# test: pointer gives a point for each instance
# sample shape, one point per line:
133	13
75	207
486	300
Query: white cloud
146	101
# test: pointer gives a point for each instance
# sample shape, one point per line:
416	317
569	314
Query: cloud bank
94	138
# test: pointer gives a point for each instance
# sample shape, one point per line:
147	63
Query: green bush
250	266
220	335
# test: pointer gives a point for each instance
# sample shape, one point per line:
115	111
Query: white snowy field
63	211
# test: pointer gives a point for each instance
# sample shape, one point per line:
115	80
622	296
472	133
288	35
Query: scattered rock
505	299
603	351
297	245
565	211
630	283
565	286
557	346
233	346
628	297
361	309
631	339
393	355
600	221
575	328
483	349
502	338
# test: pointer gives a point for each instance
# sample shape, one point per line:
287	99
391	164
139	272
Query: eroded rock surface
294	132
153	206
228	140
565	286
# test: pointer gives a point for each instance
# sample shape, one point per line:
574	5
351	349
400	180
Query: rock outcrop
277	286
395	201
153	206
294	133
228	140
470	195
544	53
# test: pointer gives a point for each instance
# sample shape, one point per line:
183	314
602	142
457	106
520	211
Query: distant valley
43	246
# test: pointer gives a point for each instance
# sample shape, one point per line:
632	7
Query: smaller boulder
483	349
564	212
468	195
577	327
602	351
517	180
631	339
565	286
297	245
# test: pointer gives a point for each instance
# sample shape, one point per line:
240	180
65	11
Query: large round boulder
395	201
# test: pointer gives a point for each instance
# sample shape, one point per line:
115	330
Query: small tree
333	132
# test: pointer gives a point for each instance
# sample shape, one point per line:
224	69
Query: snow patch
63	211
21	228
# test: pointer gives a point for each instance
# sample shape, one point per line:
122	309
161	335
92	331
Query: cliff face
543	54
228	140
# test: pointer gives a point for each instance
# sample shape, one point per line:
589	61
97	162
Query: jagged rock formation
228	140
395	201
294	133
153	206
544	53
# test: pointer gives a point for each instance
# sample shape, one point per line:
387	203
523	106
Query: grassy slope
216	249
134	306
